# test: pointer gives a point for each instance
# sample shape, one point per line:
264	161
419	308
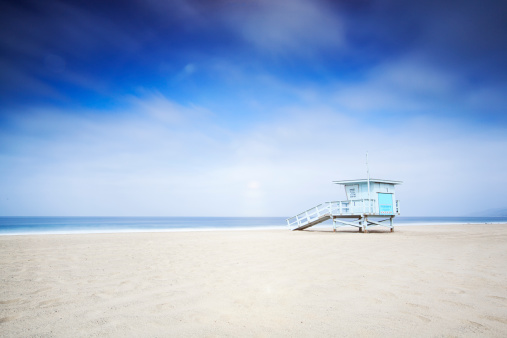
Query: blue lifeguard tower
370	202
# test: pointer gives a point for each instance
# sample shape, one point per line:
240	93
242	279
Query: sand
418	281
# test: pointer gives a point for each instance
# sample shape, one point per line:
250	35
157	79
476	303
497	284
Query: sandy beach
418	281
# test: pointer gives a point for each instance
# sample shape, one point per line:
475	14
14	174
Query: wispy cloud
139	162
288	27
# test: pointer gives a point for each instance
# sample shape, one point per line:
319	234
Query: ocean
67	225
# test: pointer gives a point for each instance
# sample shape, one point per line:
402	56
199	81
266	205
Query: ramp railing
310	215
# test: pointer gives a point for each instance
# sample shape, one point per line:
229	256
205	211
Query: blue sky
249	108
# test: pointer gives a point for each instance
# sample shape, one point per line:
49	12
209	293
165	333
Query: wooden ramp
312	223
310	217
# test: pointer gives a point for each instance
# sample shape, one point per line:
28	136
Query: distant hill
498	212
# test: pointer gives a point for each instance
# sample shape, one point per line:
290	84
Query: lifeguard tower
370	202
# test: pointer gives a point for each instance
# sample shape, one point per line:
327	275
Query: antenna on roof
368	174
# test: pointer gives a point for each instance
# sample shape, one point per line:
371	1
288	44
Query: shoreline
220	229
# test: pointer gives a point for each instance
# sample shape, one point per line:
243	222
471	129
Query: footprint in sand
457	303
9	319
39	291
424	319
454	291
496	319
10	301
419	306
50	303
502	299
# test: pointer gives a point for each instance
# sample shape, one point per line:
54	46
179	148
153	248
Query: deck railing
337	208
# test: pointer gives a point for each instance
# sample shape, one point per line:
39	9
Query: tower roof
372	180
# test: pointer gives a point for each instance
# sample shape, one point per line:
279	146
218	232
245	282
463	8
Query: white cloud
161	158
281	27
400	85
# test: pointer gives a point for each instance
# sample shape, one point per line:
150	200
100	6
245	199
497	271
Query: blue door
385	204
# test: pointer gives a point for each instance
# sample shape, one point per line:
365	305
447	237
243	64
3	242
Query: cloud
75	52
465	37
288	27
441	162
137	162
409	87
399	85
107	162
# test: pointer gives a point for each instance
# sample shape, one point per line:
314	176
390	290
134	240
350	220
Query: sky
250	108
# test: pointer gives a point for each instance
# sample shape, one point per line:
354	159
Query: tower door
385	204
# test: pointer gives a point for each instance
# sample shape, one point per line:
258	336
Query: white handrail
337	208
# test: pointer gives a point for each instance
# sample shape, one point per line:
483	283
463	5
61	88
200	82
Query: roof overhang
372	180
